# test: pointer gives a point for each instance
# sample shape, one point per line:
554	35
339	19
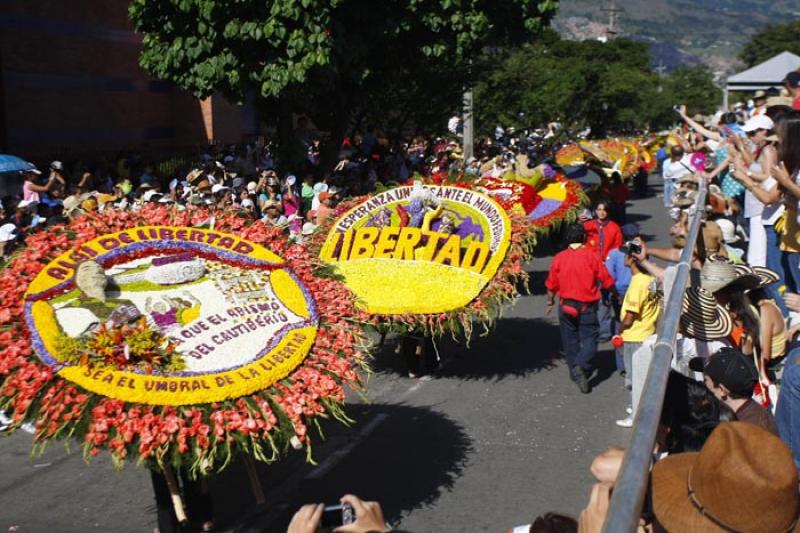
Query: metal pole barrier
631	485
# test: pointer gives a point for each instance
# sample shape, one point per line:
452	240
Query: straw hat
765	276
743	479
717	275
702	317
684	199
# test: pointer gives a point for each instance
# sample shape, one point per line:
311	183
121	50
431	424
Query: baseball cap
57	165
24	204
630	231
291	180
758	122
217	187
792	79
728	367
252	186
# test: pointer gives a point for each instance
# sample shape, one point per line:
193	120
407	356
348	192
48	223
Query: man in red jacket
576	276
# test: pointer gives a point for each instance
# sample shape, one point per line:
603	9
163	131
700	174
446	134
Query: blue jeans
774	263
791	269
669	188
579	336
787	412
606	318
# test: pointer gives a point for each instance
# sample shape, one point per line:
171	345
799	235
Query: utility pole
469	126
612	11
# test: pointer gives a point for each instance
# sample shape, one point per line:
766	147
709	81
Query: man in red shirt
576	276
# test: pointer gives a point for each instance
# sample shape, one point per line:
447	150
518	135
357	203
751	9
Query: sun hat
684	199
731	368
765	276
308	228
717	275
743	479
271	203
759	94
7	232
702	317
689	178
758	122
728	230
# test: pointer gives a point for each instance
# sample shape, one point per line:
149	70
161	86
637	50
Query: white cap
291	180
24	204
7	232
57	165
758	122
34	170
247	202
252	186
217	187
728	230
148	196
308	228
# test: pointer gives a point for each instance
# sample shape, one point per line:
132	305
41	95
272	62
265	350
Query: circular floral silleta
142	334
170	316
419	249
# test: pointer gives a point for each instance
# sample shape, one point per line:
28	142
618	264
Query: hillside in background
680	31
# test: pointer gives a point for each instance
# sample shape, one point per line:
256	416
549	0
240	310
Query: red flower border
203	438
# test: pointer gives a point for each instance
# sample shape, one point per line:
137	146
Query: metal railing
632	483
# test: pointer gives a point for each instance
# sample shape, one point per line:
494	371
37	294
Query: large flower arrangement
203	438
501	289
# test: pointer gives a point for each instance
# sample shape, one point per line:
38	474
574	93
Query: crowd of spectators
730	428
733	396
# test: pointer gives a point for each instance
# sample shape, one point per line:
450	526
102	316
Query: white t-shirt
672	170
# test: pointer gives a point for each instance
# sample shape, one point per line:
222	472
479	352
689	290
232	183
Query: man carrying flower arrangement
576	276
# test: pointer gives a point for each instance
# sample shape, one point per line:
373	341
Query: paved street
497	437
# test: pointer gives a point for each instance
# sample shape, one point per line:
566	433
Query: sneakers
578	375
625	422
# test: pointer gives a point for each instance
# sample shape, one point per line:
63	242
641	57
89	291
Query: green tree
770	41
330	59
606	86
695	87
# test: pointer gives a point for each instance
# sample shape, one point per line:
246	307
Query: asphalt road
498	436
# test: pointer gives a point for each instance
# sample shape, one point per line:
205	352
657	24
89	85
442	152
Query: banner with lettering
170	316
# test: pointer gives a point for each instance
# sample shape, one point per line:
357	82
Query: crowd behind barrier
732	396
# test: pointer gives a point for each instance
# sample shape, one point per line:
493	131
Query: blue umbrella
12	163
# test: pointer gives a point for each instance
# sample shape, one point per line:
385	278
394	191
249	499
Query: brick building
70	81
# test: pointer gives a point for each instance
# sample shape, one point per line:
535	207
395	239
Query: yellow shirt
639	300
789	230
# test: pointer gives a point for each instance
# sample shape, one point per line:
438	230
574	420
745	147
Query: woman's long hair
740	305
788	129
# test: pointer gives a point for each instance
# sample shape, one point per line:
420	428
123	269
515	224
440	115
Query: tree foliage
771	41
331	59
606	86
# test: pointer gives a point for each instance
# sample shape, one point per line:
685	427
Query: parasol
12	163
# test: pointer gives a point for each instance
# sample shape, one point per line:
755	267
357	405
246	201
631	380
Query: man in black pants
576	276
